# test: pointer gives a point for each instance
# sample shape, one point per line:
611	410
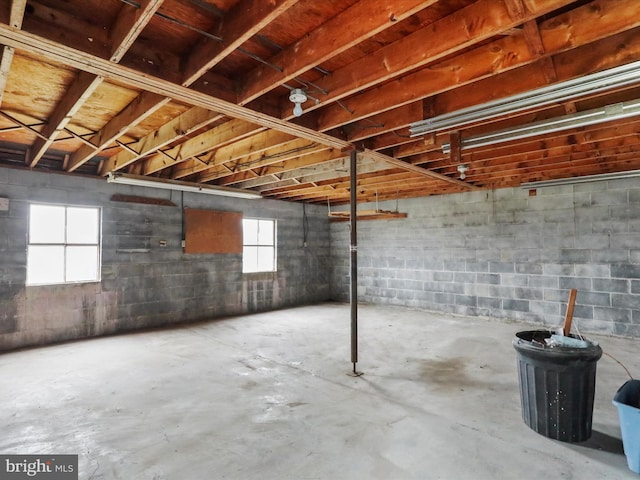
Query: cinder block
502	267
613	285
453	287
515	305
625	271
575	282
606	314
529	268
489	303
488	278
466	300
515	280
463	277
443	276
544	308
593	298
620	300
528	293
544	281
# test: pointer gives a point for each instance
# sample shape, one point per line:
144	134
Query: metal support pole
354	261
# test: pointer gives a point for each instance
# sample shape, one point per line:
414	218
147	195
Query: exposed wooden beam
292	168
180	126
239	25
142	106
590	58
465	27
244	21
219	137
127	28
419	170
156	86
76	95
274	155
365	215
261	141
129	24
362	20
568	31
16	15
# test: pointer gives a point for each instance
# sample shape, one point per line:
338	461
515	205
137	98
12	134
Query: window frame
273	245
65	244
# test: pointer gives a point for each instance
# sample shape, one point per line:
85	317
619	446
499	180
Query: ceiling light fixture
584	179
612	78
607	113
462	169
168	184
297	96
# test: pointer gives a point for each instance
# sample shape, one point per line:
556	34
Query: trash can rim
560	352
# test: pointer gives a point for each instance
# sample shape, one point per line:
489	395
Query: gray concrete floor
266	396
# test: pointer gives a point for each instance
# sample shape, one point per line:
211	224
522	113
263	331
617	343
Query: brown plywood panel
211	231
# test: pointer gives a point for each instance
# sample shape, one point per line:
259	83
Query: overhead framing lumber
154	87
16	15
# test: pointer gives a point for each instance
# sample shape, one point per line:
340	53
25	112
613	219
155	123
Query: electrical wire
619	363
607	354
305	225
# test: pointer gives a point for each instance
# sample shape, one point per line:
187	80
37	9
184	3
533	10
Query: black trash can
557	385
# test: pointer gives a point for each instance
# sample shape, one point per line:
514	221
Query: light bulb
462	176
297	110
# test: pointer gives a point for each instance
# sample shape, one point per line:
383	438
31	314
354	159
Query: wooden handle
569	315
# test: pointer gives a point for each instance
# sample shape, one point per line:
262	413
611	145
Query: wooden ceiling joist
187	90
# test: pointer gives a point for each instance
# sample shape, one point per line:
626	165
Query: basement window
258	245
64	245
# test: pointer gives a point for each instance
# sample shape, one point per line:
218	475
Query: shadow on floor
602	441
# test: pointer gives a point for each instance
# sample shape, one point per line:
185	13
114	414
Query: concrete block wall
506	254
143	283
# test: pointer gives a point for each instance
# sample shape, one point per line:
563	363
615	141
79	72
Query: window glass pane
249	231
82	225
265	232
45	264
250	259
266	259
82	264
46	224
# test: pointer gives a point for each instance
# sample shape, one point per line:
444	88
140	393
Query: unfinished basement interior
306	240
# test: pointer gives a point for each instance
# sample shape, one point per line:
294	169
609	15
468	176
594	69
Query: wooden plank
412	168
75	96
559	34
365	215
245	20
236	150
157	86
290	169
16	15
465	27
256	160
143	106
180	126
220	136
129	24
590	58
209	231
362	20
143	200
